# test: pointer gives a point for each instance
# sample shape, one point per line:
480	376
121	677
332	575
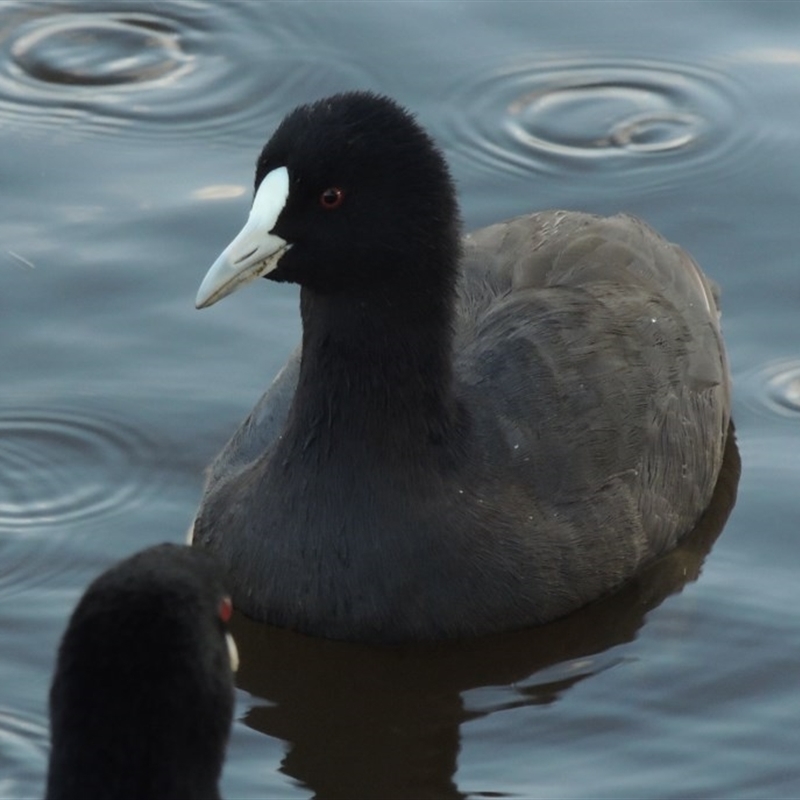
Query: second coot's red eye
331	198
225	610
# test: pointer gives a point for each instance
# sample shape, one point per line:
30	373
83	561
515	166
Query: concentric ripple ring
562	116
173	70
59	467
773	387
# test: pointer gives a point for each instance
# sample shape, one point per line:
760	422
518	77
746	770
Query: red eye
331	198
225	609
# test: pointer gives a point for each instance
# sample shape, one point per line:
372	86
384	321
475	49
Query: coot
476	433
142	697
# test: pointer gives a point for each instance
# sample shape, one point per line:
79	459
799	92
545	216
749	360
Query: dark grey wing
595	343
621	255
261	427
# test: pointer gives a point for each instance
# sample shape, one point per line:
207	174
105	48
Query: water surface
128	133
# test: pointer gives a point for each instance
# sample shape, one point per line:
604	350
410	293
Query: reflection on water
366	721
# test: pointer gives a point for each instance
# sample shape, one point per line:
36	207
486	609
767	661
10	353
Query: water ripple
91	50
773	387
63	466
783	389
585	115
23	753
174	70
542	687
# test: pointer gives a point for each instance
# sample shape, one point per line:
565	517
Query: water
128	133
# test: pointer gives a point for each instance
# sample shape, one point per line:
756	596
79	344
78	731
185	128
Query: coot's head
142	697
350	192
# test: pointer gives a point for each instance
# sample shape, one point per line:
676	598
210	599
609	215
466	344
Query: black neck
376	369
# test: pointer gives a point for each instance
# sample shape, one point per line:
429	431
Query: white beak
233	652
255	251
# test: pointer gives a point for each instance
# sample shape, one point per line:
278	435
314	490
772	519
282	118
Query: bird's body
475	435
141	702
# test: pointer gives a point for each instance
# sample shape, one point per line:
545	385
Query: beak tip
202	301
211	289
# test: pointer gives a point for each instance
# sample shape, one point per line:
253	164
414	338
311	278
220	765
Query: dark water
128	132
